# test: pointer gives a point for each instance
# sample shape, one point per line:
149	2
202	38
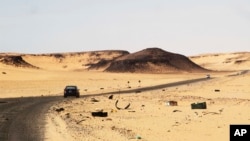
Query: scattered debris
116	105
208	76
171	103
176	123
111	97
68	115
94	100
59	110
176	111
99	114
132	111
138	137
128	84
201	105
213	113
109	119
80	121
119	107
127	106
217	90
221	110
113	111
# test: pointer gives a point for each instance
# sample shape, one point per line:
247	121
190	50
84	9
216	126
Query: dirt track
24	118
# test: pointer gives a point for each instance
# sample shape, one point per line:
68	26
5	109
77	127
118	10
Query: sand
148	118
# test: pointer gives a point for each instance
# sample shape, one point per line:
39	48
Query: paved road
156	87
23	119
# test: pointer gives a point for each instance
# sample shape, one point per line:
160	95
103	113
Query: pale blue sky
187	27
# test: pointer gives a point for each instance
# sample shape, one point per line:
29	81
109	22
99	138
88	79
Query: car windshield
71	87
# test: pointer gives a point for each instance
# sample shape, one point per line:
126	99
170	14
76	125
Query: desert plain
149	117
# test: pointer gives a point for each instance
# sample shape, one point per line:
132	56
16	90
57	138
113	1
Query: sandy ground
148	118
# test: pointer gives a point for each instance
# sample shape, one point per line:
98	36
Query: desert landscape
134	90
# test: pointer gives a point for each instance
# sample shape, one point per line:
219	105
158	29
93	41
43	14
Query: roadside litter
94	100
59	109
171	103
111	97
176	111
216	90
208	76
201	105
99	114
119	107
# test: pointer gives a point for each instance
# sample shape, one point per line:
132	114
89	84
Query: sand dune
15	60
151	60
72	61
224	61
61	61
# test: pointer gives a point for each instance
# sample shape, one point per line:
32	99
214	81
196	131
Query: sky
188	27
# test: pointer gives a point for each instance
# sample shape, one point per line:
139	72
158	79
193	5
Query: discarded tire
118	108
201	105
99	114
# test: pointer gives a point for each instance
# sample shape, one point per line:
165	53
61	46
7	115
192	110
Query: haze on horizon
187	27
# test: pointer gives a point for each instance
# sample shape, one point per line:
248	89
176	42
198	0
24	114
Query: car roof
71	87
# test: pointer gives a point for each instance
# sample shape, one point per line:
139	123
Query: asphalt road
23	119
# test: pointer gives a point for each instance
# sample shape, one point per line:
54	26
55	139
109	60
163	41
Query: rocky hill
16	60
154	60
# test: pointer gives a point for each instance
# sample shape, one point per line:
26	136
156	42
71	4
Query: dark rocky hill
154	60
16	60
